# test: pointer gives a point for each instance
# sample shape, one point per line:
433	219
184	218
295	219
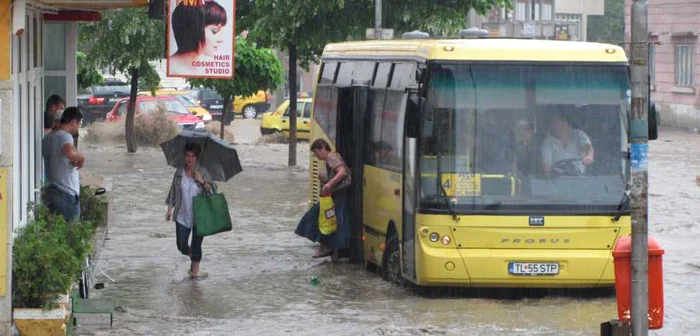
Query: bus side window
402	76
374	127
374	118
382	76
391	149
328	72
364	71
344	77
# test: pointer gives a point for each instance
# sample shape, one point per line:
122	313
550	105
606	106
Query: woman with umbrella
199	159
189	181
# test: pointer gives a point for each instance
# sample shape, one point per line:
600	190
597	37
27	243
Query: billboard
201	38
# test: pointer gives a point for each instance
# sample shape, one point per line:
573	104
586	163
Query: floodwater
259	274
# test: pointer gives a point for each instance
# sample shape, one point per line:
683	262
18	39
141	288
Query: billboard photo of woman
200	38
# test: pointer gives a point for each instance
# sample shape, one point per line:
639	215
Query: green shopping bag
211	215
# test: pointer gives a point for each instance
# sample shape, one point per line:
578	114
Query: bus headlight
446	240
434	237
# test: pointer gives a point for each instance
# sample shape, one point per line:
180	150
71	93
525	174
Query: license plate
114	100
217	107
519	268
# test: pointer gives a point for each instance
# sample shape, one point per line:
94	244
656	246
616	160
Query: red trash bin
623	279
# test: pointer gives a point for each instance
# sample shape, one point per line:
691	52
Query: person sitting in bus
526	150
336	182
566	148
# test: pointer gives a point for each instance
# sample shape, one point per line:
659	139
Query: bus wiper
623	205
449	204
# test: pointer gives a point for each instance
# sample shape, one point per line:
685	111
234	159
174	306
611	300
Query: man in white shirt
566	143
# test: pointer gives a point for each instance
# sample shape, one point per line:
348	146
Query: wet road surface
259	274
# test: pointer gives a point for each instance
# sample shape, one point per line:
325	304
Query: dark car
100	99
213	102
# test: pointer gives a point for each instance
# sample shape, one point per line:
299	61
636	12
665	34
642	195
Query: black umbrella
218	156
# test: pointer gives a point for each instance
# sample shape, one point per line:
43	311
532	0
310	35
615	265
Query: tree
87	73
305	27
609	27
148	79
255	69
126	40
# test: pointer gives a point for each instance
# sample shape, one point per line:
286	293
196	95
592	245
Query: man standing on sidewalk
54	107
62	164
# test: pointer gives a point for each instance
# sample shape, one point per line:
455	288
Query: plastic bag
327	221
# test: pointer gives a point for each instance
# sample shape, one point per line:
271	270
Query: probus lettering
536	240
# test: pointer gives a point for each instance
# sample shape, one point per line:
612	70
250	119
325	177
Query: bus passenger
336	181
565	147
526	152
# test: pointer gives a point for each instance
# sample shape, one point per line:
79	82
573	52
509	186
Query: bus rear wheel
391	265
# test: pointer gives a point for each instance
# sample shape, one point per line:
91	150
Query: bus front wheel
391	265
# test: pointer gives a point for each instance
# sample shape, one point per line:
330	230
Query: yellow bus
481	162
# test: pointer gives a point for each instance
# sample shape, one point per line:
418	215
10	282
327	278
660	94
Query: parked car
100	99
186	99
146	105
251	107
278	121
213	102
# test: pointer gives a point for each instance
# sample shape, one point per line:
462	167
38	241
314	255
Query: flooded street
259	274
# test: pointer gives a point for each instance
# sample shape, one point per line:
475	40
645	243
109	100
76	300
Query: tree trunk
224	112
131	145
279	94
292	105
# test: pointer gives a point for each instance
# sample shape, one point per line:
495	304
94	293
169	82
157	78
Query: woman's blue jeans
183	236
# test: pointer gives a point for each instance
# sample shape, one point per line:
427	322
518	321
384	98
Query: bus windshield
529	138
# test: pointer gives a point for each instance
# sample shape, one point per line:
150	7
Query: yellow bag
327	221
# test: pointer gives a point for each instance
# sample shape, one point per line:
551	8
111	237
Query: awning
73	15
94	4
85	10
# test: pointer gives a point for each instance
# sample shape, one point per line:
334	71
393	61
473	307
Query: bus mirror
413	113
653	121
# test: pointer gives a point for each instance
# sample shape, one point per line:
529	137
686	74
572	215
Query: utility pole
292	105
378	19
639	132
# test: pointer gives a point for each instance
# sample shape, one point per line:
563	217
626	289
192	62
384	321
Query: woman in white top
188	182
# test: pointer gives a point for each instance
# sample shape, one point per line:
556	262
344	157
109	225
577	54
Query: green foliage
87	72
124	39
148	79
609	27
255	69
311	24
47	255
93	209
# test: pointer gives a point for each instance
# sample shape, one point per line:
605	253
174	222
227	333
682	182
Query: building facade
674	59
541	19
38	45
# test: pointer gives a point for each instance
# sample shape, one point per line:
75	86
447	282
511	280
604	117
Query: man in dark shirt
52	115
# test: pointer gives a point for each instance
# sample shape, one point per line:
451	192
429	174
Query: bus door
410	186
350	132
